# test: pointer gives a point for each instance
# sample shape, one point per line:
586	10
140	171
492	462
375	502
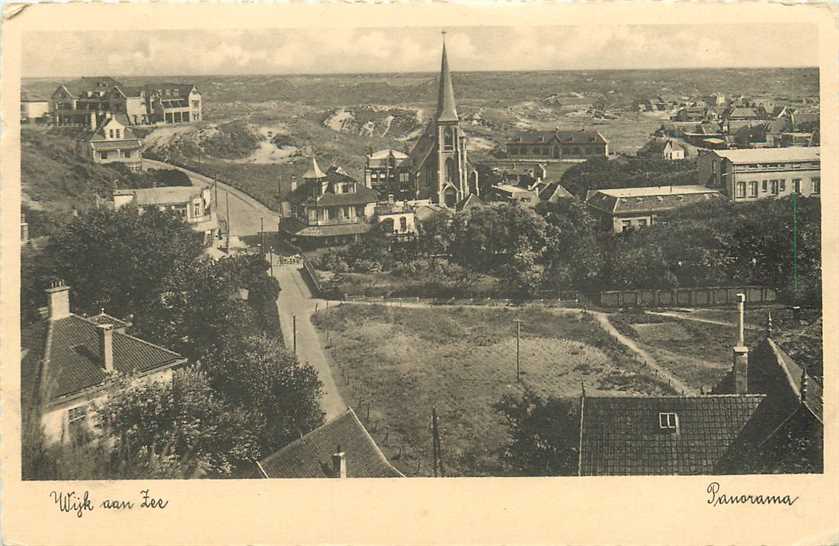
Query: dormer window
668	422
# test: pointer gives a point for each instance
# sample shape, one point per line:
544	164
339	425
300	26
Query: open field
405	361
697	353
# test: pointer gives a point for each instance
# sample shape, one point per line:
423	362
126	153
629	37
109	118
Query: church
441	170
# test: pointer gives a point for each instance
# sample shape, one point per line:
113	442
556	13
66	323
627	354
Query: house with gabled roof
111	140
765	416
67	359
662	148
328	208
341	448
558	144
193	204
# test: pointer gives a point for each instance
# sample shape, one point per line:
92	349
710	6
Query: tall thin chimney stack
59	300
741	352
106	345
339	463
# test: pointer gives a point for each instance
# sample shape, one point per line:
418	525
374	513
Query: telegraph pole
435	444
227	201
294	332
262	236
518	336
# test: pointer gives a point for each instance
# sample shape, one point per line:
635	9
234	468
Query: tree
544	435
572	252
117	260
434	234
627	172
181	426
259	375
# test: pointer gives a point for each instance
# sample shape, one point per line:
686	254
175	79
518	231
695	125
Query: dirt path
675	382
683	316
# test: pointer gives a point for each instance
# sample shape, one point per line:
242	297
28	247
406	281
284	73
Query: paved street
245	211
296	299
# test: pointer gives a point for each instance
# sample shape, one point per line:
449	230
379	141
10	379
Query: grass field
405	361
697	353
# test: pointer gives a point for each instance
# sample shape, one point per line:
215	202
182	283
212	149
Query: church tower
439	157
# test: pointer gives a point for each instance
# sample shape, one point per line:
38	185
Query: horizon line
376	73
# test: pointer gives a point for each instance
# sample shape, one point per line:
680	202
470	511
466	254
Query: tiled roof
294	227
744	113
553	192
622	435
74	362
649	199
311	455
104	318
108	145
764	155
469	202
423	147
334	175
385	154
170	195
174	103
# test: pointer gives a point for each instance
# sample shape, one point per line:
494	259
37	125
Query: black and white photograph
439	251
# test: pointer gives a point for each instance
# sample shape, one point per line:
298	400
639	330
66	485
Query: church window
450	170
448	137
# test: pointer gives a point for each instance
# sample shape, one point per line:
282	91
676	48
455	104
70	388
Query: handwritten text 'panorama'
715	498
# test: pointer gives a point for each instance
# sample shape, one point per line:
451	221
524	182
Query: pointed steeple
314	172
446	109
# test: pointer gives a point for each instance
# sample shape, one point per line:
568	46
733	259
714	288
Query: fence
687	297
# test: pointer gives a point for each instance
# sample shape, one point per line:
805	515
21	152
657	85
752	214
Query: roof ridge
302	439
149	343
701	396
373	442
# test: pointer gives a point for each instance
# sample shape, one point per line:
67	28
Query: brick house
558	144
762	173
66	360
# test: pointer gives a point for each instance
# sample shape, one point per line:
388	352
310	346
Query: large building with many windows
761	173
558	144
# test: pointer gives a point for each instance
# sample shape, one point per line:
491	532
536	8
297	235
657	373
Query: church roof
446	109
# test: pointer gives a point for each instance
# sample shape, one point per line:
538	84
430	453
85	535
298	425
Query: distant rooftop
162	196
655	190
763	155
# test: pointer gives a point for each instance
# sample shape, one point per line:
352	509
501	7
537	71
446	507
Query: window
77	414
110	133
403	224
642	222
816	184
753	188
668	421
196	104
765	185
741	190
774	184
196	210
103	155
783	185
626	225
796	185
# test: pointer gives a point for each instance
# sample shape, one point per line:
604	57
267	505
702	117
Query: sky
411	49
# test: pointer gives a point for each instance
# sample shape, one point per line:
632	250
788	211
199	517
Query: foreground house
341	448
328	209
109	140
440	166
622	209
558	144
766	416
66	360
193	204
761	173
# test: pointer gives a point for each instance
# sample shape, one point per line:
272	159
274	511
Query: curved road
245	211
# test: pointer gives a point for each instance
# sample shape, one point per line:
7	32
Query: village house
439	162
736	117
660	148
760	173
397	218
328	209
67	359
340	448
508	193
72	102
694	113
389	172
193	204
558	144
623	209
765	416
110	140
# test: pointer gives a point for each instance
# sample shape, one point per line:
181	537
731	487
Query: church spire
446	110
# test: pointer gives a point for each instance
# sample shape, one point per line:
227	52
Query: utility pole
262	236
227	201
795	243
294	332
518	352
435	444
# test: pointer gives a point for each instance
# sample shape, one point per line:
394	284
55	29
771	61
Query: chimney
106	345
59	300
741	352
339	463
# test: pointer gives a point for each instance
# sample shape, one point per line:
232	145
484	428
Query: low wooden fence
686	297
